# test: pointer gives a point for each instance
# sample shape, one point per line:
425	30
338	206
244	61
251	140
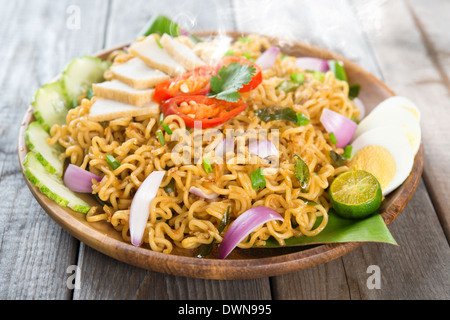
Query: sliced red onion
314	64
268	58
79	180
243	226
263	148
140	206
362	109
342	127
199	192
223	147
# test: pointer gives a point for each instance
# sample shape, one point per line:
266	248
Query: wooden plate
241	263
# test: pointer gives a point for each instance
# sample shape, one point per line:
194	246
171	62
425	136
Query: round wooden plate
241	263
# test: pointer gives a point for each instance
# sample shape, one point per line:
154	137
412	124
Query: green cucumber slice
51	186
50	105
48	155
80	74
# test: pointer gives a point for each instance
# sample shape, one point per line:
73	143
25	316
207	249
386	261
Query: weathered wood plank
34	251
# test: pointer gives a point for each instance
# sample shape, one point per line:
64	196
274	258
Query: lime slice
355	194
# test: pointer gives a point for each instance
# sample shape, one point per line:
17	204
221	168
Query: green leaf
230	79
207	165
160	24
338	160
274	113
337	67
302	172
112	162
302	120
339	230
353	90
258	180
170	187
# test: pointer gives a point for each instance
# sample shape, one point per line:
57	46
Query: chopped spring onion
319	76
161	118
244	40
167	129
338	69
287	86
159	43
302	120
112	162
258	180
207	165
332	138
79	180
140	206
353	90
244	225
161	138
347	151
297	77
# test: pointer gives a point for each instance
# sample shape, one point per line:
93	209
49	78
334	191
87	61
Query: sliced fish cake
119	91
181	53
137	74
150	51
107	110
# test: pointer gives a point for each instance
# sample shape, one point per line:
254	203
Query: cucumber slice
52	186
50	105
48	155
80	74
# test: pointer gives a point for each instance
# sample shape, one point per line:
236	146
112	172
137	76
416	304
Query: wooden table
404	43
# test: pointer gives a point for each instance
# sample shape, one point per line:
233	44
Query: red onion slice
362	109
263	148
140	206
268	58
79	180
342	127
243	226
223	147
199	192
314	64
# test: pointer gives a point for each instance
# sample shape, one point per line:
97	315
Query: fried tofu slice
107	110
150	51
137	74
119	91
181	53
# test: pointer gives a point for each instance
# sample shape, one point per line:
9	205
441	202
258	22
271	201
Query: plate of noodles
214	155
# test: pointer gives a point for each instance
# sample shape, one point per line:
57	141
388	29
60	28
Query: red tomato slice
195	82
257	78
207	112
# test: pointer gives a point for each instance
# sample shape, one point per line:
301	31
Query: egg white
399	101
395	141
393	115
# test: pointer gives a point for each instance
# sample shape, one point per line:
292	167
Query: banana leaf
338	230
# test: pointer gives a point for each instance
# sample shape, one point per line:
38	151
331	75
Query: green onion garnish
207	165
161	118
258	180
244	40
353	90
229	53
112	162
302	120
159	43
347	151
332	137
318	76
167	129
298	77
161	138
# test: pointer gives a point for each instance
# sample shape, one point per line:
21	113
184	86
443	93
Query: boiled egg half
386	142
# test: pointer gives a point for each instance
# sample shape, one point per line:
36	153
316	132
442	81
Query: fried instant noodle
179	218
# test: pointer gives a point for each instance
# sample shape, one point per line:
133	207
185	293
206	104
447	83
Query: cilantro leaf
230	79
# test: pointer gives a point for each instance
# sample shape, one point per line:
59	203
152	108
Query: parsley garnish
230	79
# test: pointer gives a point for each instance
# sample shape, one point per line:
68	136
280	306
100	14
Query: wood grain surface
404	43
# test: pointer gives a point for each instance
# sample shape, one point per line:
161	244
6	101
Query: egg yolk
376	160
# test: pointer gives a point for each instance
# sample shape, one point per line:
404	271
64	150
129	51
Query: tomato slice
195	82
202	110
257	78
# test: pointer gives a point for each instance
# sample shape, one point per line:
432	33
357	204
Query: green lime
355	194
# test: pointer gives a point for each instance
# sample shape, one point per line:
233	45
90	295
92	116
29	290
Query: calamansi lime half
355	194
